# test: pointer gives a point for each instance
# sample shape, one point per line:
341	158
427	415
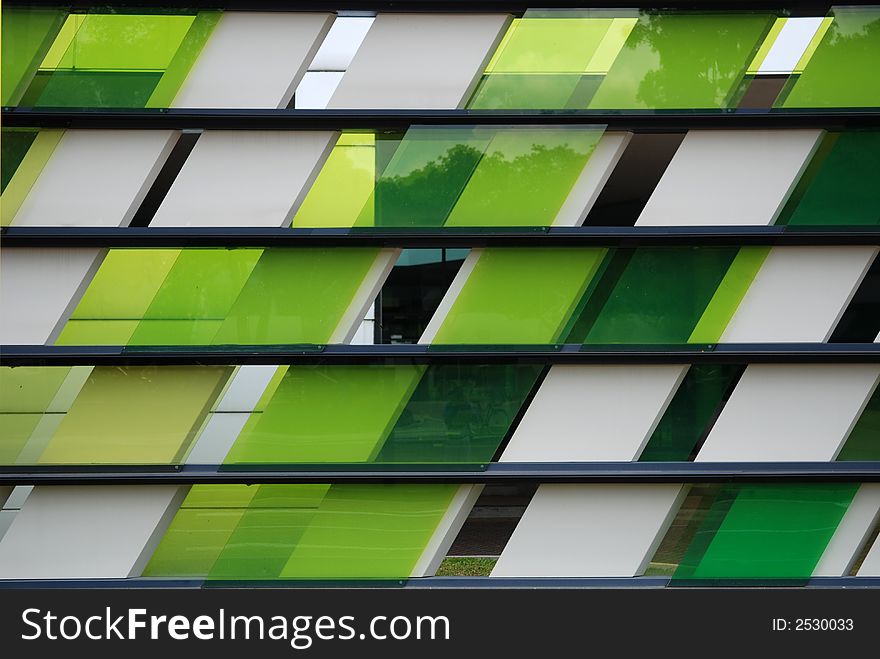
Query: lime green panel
220	496
351	166
525	176
96	332
261	544
184	58
289	496
27	35
15	431
196	296
683	60
519	295
136	415
193	542
29	388
839	74
773	531
731	290
27	172
369	531
327	414
549	44
296	296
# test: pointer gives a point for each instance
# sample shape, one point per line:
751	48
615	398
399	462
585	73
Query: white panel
365	297
871	565
341	43
19	495
782	412
315	90
365	334
589	531
447	530
96	178
6	517
217	437
724	178
593	413
39	289
419	61
592	179
790	44
799	294
852	533
253	60
83	532
245	388
244	178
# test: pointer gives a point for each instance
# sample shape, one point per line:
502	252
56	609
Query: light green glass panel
770	531
136	415
519	295
289	496
425	175
15	431
27	35
193	542
525	176
683	60
327	414
184	58
351	166
195	296
97	332
838	73
296	296
369	531
220	496
29	388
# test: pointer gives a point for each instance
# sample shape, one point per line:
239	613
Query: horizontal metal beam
815	7
726	353
496	472
370	120
152	237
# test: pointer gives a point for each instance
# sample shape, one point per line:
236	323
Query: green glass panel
767	531
863	442
459	413
845	186
193	542
296	296
369	531
525	176
683	60
27	35
327	414
837	74
351	165
695	404
184	58
519	295
23	166
136	415
195	297
29	388
220	496
15	431
76	88
426	175
660	295
533	91
13	147
289	496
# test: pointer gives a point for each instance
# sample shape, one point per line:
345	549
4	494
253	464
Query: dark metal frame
722	353
496	472
153	237
289	119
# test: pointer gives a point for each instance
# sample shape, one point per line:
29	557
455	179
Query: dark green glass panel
92	88
459	413
844	188
842	71
660	296
863	442
27	36
694	405
683	60
13	147
776	531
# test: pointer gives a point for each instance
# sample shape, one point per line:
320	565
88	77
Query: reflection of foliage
426	196
693	57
